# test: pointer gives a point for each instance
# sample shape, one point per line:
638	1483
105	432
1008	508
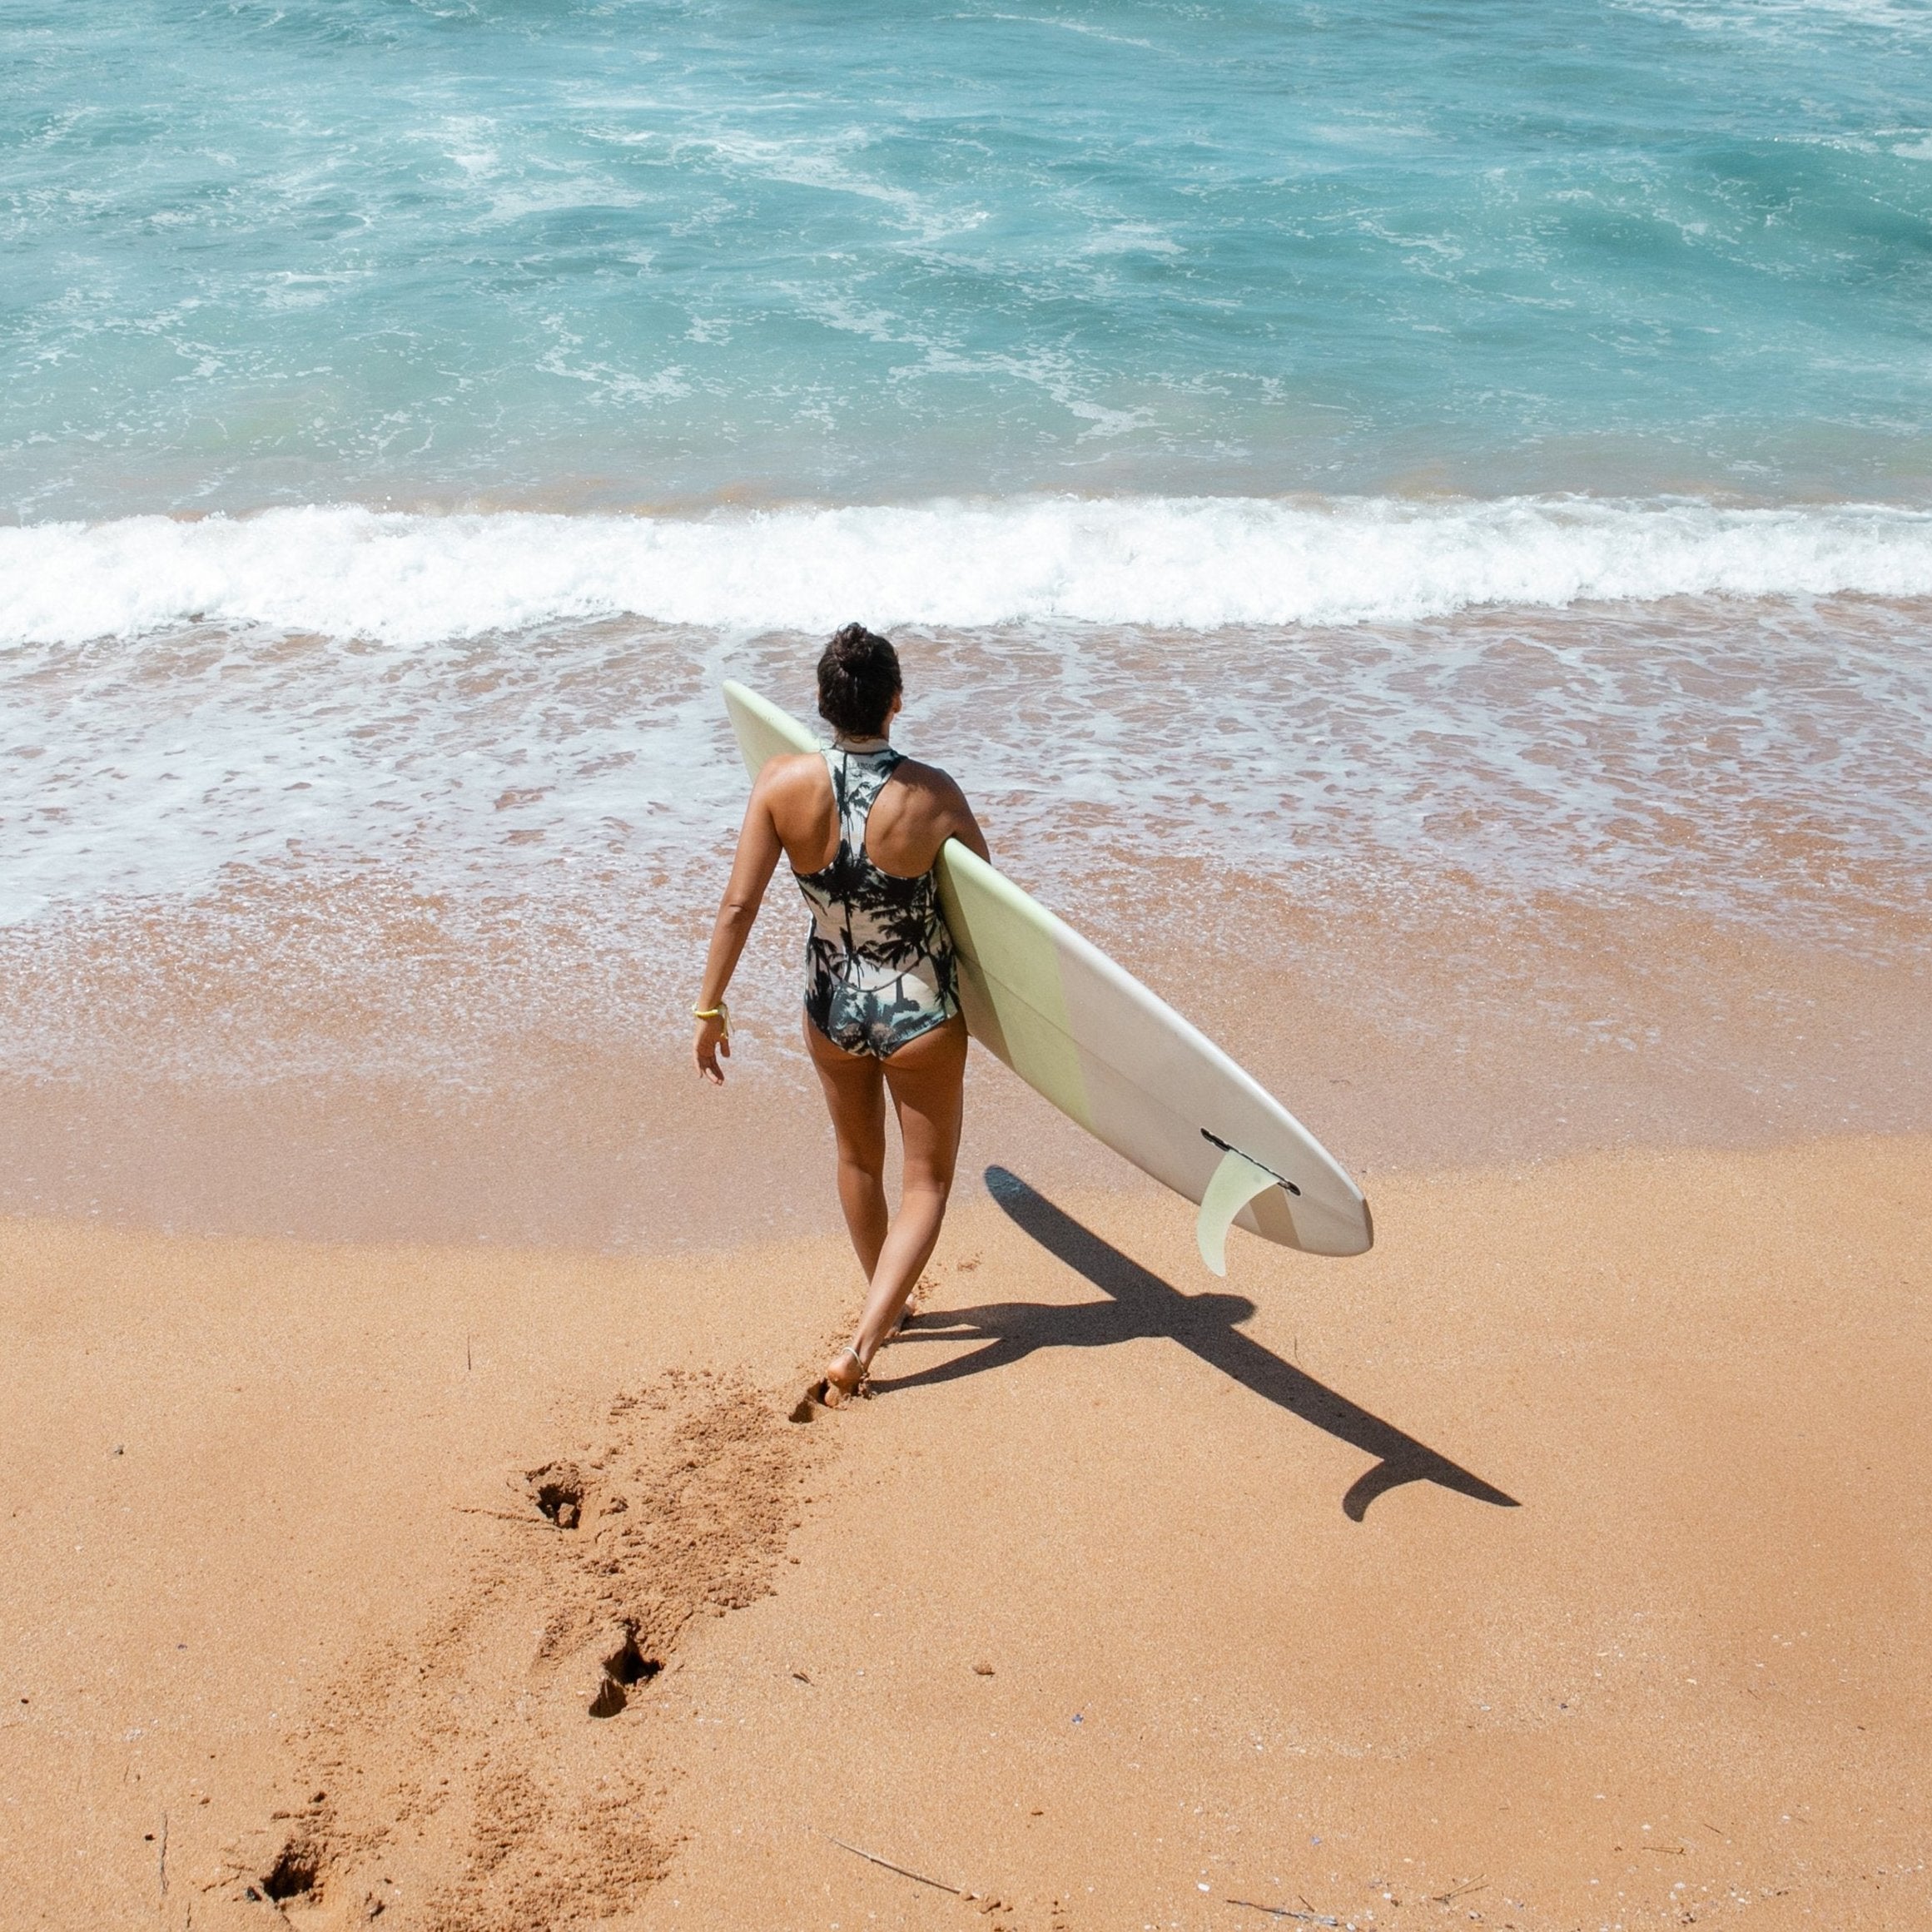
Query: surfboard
1115	1058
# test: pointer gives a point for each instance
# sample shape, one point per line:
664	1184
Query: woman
862	828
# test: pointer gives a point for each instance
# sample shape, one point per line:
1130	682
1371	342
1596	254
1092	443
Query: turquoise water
641	254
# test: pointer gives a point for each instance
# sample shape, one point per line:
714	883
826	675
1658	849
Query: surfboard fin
1235	1183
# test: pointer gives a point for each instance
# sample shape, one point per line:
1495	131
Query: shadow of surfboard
1140	1303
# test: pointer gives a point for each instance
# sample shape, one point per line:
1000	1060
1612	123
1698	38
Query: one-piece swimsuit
879	967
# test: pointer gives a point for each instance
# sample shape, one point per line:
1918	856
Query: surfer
862	825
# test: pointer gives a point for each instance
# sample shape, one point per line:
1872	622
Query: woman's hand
751	871
712	1041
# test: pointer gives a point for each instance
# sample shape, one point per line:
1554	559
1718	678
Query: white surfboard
1088	1035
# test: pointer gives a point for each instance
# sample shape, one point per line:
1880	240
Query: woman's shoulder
931	807
789	769
924	777
934	800
793	792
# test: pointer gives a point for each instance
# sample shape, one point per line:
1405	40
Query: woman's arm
751	871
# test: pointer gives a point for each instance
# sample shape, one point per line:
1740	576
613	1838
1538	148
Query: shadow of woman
1140	1305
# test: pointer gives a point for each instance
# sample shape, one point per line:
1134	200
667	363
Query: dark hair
858	678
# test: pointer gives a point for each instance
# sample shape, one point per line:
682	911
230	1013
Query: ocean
668	258
1416	515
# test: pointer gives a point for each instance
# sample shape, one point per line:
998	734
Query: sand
1564	1564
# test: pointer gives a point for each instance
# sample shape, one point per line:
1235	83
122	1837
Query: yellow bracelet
720	1011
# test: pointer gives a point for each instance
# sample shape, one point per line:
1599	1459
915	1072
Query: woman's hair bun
858	678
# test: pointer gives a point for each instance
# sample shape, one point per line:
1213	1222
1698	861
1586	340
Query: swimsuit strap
853	795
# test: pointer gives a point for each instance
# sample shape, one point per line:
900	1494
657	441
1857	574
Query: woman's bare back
917	810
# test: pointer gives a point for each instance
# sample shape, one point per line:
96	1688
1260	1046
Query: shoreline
240	1076
1253	1535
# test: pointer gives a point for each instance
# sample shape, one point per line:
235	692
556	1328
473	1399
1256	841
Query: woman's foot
844	1377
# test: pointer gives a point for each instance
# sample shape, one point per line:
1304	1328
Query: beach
1562	1562
1413	530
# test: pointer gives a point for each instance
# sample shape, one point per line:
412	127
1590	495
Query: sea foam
1178	563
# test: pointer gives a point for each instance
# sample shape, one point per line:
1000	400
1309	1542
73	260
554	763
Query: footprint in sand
559	1490
625	1667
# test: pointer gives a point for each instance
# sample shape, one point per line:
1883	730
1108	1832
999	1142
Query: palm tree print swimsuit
879	967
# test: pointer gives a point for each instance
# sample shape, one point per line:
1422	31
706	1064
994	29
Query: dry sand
1564	1564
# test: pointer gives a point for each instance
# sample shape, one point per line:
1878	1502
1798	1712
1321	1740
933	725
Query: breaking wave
1176	563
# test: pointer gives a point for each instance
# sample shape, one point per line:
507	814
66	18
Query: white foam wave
1198	563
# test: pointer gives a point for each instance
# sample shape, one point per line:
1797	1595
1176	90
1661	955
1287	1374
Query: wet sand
1562	1564
356	1064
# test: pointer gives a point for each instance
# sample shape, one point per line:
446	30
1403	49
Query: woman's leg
927	1080
855	1096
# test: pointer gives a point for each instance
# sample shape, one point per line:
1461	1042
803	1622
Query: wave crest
1189	564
